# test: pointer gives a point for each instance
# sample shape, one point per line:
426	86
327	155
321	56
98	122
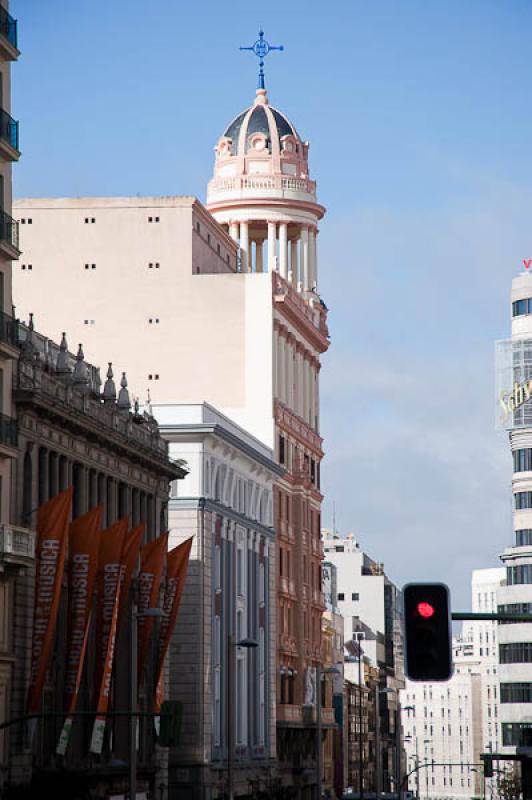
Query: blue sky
418	115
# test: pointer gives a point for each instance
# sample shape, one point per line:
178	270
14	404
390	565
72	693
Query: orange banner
176	574
52	527
130	555
152	558
111	572
84	542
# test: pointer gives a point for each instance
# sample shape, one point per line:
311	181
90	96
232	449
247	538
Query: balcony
8	436
8	336
8	36
17	547
8	236
289	715
9	150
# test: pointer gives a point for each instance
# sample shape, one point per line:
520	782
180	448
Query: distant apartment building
442	724
453	722
514	374
369	604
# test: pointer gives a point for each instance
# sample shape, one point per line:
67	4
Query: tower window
153	265
88	322
153	219
154	320
90	220
153	376
90	266
26	266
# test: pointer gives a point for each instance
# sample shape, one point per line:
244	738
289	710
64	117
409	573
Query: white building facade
369	604
515	414
226	504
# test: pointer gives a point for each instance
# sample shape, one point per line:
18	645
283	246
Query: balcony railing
9	129
8	329
8	27
16	542
8	230
8	431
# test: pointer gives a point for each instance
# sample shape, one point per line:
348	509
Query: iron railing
8	329
8	129
8	431
8	229
8	27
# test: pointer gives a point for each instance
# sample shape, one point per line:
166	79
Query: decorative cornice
297	427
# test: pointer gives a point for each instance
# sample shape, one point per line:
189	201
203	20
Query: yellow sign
511	401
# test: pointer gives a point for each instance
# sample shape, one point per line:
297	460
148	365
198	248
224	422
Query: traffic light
427	621
171	715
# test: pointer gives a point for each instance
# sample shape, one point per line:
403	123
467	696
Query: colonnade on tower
287	247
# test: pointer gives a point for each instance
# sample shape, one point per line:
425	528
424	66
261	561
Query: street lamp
319	673
231	659
134	620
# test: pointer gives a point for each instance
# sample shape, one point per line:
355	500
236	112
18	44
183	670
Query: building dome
264	120
261	154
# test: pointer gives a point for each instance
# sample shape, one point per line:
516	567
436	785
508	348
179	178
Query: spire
261	48
80	376
124	403
109	389
62	366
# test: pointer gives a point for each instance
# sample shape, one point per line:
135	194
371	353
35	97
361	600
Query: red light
425	610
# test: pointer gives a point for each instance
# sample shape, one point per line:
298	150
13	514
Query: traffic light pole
457	616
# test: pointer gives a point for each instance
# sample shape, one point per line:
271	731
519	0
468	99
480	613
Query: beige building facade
217	305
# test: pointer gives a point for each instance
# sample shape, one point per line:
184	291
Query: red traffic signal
427	626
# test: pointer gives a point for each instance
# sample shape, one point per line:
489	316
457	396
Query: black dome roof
258	122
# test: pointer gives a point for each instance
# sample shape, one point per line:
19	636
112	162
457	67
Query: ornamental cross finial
261	48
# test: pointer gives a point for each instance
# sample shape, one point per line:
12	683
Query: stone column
244	245
233	230
312	259
259	266
283	249
294	268
272	239
281	387
305	258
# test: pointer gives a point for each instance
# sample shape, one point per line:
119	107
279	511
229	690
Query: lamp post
133	685
319	673
232	706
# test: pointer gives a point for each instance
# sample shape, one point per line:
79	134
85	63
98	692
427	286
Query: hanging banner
111	571
152	558
177	565
84	542
130	555
52	527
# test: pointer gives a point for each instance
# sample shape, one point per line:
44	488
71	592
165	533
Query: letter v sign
527	262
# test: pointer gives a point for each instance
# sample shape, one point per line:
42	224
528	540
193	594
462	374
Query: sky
419	122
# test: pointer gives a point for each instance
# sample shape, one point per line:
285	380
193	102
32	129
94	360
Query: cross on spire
261	48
